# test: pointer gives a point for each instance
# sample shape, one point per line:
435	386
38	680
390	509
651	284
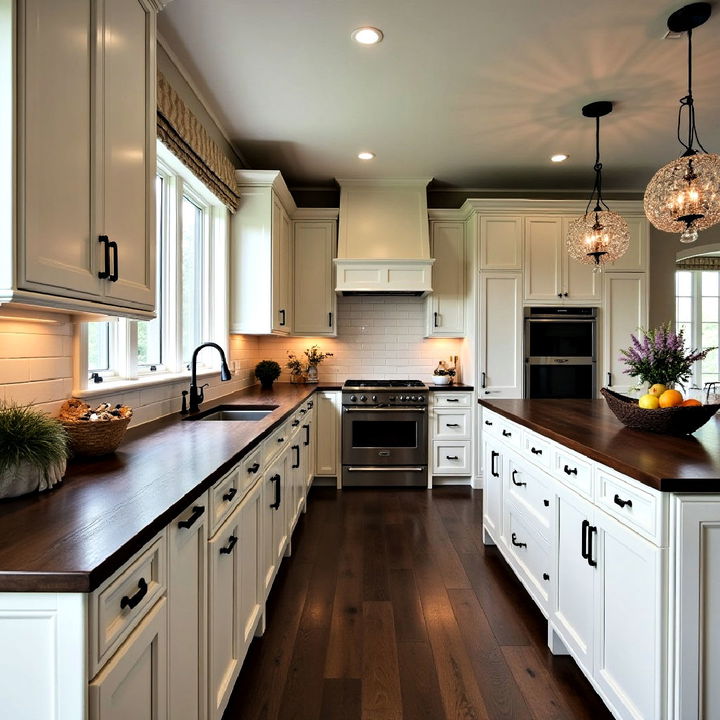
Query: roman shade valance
700	262
185	137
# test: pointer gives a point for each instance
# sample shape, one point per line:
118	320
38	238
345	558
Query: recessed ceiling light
560	157
366	155
367	35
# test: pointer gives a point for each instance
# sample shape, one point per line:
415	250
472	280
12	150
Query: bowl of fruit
660	410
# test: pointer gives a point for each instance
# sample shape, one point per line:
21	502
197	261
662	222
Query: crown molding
544	207
383	182
308	213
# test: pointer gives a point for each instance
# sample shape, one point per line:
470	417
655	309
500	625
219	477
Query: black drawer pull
230	546
276	479
487	422
569	471
296	464
493	470
306	442
196	514
452	400
452	425
507	433
281	439
311	404
515	482
515	542
584	543
452	457
295	423
282	313
134	601
622	503
535	451
592	530
230	494
254	468
546	576
546	503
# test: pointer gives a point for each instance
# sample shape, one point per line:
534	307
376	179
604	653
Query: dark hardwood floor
391	607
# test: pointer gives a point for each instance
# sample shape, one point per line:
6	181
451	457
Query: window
697	312
191	285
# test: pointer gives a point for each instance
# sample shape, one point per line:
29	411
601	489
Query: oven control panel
384	398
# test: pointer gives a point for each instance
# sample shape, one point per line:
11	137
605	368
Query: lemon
657	389
649	402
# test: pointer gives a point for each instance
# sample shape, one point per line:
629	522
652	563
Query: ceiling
477	94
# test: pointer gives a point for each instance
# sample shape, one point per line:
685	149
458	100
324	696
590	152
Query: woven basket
666	421
91	439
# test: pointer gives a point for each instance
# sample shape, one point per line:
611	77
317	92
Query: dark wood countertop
663	462
75	536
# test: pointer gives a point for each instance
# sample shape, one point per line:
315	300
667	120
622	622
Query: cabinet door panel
446	304
501	243
57	249
636	257
250	596
493	488
280	268
579	281
328	434
129	158
543	259
573	608
628	646
133	684
314	310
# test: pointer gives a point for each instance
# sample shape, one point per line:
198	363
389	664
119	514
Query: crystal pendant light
599	236
684	195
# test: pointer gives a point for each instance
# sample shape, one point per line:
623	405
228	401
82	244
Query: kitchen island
615	534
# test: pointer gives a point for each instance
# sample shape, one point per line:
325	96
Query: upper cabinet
261	255
314	248
446	304
501	243
84	75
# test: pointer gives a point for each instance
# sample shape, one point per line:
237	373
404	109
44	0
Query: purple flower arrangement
660	356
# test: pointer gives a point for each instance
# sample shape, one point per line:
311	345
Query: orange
691	403
670	398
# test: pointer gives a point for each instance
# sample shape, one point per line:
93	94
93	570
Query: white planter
441	379
25	478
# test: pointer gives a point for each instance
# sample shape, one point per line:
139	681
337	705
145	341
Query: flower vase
298	378
312	374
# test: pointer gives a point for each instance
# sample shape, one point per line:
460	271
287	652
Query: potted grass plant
33	450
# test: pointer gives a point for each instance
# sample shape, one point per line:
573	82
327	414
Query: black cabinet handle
622	503
307	435
565	294
295	423
311	404
609	379
435	319
114	275
282	315
546	576
452	425
276	479
254	468
105	273
482	381
546	503
535	451
493	470
592	530
281	439
296	464
584	530
329	319
232	541
507	433
196	514
487	422
569	471
452	457
303	411
452	400
134	600
515	482
515	542
230	494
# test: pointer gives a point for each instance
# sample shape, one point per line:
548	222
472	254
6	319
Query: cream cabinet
451	419
85	223
500	340
261	255
625	310
315	300
501	242
446	304
327	449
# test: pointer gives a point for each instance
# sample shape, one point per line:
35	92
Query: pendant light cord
689	103
597	187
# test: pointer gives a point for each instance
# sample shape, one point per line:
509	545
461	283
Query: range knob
414	398
363	398
421	399
353	398
374	398
403	398
391	398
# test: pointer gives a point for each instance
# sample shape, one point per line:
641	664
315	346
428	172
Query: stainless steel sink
235	413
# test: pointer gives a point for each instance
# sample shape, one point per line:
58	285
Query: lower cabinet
133	684
327	452
274	520
492	489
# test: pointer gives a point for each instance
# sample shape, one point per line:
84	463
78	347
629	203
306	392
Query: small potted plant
298	371
314	357
33	450
267	372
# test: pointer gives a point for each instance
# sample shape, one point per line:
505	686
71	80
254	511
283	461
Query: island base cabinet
492	490
133	684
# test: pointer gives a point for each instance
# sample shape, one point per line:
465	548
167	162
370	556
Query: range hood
383	238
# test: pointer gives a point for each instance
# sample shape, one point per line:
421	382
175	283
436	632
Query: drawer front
276	442
451	458
574	471
251	468
636	507
451	399
123	600
531	496
510	433
225	494
449	424
490	423
537	449
531	556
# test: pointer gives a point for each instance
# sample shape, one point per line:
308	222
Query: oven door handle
386	468
390	409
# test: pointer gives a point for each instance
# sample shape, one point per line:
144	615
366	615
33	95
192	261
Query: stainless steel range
384	433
